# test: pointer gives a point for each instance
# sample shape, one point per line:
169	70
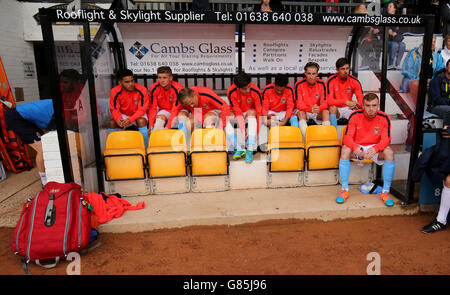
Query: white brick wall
52	157
14	50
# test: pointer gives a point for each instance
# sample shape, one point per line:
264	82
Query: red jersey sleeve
114	106
323	97
266	101
357	89
289	101
153	104
143	104
232	94
385	134
349	135
258	100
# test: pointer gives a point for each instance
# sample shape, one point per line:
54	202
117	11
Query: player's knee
112	124
251	113
345	152
332	109
301	115
162	117
388	154
141	122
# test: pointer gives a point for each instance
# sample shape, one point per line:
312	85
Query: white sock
303	125
252	126
326	123
159	124
43	177
445	205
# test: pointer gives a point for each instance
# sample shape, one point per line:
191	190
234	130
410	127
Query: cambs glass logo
138	50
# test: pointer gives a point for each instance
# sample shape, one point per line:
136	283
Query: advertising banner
186	48
286	49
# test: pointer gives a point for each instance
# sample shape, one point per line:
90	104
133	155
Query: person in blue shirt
411	69
28	121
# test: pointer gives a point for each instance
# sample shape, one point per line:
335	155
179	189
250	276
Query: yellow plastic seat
209	152
124	156
322	147
286	149
166	153
342	143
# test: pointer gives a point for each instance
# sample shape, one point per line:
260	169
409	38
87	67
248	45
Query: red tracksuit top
133	104
340	91
208	100
277	103
241	103
162	98
307	96
362	130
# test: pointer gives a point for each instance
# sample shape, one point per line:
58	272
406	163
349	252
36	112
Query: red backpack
54	223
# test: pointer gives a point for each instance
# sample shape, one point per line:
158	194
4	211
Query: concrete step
248	206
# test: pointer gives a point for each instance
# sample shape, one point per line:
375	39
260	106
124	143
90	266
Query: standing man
128	103
340	89
311	98
246	103
163	96
368	136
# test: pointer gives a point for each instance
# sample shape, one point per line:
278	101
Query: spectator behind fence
269	6
440	94
411	69
369	44
445	52
445	17
396	46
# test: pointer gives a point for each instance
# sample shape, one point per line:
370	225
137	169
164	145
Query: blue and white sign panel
186	48
286	49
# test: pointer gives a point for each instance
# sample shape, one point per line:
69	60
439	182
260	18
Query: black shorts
27	131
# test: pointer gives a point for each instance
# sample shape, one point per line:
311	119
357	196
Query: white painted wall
14	50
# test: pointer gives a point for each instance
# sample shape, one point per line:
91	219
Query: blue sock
294	121
144	131
182	127
388	174
333	120
344	172
112	130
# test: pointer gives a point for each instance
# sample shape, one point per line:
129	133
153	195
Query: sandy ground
275	247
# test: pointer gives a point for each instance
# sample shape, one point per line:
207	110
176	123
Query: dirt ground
276	247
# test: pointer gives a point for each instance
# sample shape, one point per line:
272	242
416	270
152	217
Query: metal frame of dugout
48	17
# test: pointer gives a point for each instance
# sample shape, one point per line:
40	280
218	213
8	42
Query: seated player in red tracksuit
198	107
128	103
311	98
246	105
368	136
340	89
278	102
163	96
